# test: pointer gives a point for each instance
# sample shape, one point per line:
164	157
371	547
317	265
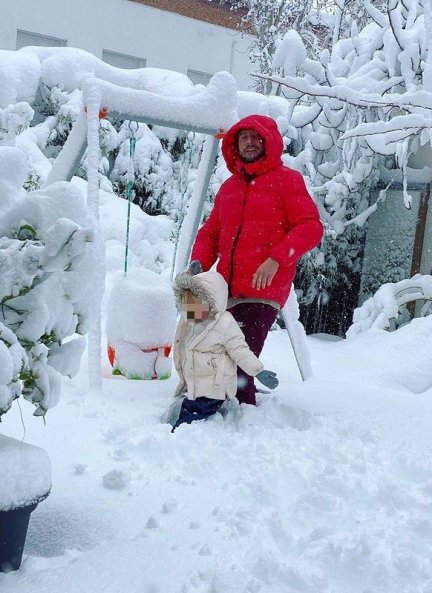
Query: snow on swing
141	317
211	107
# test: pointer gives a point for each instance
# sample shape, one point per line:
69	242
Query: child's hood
209	286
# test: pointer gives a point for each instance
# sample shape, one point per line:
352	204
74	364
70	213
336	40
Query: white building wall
162	39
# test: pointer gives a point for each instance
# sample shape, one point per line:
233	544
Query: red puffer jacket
263	210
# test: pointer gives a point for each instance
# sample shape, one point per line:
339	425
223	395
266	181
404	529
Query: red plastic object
111	352
102	113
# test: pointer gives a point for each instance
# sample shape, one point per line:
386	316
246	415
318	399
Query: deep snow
325	487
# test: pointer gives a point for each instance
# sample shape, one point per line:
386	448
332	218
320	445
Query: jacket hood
209	286
273	146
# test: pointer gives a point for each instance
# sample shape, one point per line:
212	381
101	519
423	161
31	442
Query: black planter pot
13	532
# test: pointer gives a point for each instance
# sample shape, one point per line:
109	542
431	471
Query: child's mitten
268	378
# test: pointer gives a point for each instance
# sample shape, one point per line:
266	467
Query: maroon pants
255	320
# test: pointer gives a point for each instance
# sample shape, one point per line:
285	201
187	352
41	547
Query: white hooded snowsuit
207	352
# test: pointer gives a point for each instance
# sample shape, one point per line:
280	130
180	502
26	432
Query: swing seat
153	362
141	320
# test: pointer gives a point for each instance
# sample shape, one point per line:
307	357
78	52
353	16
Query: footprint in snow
119	454
169	505
80	468
205	550
152	523
117	433
115	480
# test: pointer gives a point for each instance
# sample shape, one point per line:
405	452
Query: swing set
209	111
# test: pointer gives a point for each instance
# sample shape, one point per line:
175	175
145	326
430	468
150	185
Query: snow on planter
25	481
25	474
141	318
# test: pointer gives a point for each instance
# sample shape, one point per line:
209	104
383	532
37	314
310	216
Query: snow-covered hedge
51	283
384	305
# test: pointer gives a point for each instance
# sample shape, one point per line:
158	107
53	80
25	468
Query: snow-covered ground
325	487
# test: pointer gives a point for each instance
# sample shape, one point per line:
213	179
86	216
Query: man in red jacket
263	220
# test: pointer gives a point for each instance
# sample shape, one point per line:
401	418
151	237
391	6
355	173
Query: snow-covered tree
349	12
269	20
356	111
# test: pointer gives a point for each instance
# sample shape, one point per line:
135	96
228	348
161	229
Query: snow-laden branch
340	5
375	14
384	305
361	218
427	73
410	124
354	96
394	21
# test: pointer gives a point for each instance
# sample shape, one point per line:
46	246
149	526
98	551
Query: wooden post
419	240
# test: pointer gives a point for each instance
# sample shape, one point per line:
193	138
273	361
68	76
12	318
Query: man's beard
252	159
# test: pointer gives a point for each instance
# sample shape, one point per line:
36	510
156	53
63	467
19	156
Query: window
198	77
25	38
122	60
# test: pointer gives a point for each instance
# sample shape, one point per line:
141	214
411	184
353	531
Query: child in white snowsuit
208	346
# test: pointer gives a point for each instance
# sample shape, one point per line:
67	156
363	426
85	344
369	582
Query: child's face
194	308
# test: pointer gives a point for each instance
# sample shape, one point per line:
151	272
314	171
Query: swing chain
130	186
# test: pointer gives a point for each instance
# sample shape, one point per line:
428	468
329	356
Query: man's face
250	145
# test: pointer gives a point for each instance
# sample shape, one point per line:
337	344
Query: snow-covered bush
14	119
51	281
153	168
13	361
379	310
